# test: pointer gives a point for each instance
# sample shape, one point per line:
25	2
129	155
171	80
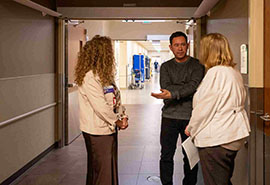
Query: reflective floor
142	96
139	148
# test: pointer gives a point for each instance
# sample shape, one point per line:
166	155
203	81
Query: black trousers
101	159
170	130
217	165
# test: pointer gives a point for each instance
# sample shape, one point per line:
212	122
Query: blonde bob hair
215	50
96	55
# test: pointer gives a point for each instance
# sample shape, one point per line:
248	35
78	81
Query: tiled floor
139	148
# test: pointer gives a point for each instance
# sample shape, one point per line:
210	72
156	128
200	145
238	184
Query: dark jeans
170	129
217	165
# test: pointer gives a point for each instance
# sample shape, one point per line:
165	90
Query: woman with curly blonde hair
219	123
101	111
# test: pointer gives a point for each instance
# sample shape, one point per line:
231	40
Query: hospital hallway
138	148
40	136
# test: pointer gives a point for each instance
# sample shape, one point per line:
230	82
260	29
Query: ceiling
148	45
128	3
164	45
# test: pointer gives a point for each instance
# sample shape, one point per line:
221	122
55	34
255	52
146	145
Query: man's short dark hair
178	34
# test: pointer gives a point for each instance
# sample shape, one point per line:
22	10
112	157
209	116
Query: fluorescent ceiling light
158	37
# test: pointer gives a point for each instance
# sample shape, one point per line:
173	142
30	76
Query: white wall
190	35
94	28
122	64
116	56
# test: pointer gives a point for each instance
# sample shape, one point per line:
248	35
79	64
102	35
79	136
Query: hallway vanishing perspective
138	147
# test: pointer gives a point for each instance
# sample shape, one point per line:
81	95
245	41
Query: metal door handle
266	117
71	85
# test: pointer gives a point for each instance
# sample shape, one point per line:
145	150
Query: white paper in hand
191	151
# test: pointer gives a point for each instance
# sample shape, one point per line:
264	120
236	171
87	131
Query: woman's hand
125	123
186	131
122	124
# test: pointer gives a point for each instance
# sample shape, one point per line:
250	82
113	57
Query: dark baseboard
28	165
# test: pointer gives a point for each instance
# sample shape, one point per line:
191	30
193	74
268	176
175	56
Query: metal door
75	38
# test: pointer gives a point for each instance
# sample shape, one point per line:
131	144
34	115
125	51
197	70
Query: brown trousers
101	159
217	165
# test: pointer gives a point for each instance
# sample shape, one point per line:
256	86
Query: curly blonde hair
215	50
96	55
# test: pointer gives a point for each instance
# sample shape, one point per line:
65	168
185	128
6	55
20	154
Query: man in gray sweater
179	79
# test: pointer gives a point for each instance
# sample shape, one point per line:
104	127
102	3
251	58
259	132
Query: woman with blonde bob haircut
101	111
219	123
215	50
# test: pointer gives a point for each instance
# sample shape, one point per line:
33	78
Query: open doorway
139	148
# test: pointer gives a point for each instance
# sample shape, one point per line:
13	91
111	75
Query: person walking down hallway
156	66
179	79
101	112
219	122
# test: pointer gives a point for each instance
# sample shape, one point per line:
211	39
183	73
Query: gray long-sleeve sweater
182	80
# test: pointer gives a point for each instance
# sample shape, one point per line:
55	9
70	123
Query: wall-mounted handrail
38	7
26	114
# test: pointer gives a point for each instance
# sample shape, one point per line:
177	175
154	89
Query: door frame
60	81
267	61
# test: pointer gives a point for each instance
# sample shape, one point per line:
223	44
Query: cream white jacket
96	108
218	115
